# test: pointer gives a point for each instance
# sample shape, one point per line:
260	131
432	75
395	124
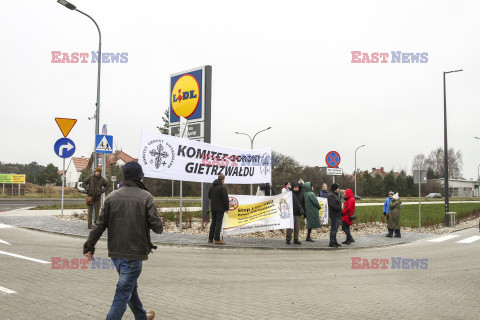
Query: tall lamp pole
445	152
251	147
99	62
356	167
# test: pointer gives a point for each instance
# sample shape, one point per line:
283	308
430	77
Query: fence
13	189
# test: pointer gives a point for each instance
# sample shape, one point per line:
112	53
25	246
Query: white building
461	188
74	170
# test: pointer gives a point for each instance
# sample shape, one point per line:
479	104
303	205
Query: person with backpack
298	207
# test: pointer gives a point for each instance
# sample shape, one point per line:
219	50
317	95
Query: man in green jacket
95	186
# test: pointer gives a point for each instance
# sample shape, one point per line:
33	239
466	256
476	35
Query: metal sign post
64	148
63	184
183	135
419	176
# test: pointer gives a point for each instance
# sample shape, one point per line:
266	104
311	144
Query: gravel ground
199	228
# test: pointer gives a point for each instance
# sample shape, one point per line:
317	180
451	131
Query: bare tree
455	163
419	162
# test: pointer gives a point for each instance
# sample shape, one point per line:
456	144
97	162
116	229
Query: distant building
381	172
74	170
461	188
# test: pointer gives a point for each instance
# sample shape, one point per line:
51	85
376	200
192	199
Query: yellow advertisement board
12	178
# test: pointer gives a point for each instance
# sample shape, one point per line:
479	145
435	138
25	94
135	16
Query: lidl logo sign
186	95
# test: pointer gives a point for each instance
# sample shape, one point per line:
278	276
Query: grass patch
176	203
59	206
431	214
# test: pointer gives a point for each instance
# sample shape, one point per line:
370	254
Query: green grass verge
162	204
431	213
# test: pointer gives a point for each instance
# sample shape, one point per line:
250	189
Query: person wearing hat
95	185
386	205
334	212
394	221
129	214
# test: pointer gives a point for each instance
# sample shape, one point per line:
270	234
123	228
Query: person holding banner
312	208
324	191
298	207
219	204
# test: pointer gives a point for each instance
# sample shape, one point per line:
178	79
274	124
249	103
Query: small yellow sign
18	178
65	125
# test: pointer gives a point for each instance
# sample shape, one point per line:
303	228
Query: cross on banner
159	155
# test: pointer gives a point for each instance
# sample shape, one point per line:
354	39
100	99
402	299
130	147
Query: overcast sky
284	64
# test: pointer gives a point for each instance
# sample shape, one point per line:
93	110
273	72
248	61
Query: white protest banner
173	158
258	213
323	212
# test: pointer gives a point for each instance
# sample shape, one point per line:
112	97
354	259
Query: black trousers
346	229
216	226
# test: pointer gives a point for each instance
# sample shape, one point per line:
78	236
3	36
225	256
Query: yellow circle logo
185	96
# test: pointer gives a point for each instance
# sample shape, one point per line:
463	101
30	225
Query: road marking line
4	226
469	240
2	241
6	290
23	257
444	238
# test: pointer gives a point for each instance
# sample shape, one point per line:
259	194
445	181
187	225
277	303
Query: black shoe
336	245
388	236
397	236
309	240
287	242
351	240
297	242
346	242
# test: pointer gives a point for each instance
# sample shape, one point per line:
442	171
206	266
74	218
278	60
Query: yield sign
65	125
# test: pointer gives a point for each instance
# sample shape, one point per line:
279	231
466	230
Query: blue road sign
332	159
64	148
104	143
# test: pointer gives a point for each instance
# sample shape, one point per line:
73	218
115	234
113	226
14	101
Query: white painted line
2	241
4	226
6	290
23	257
444	238
469	240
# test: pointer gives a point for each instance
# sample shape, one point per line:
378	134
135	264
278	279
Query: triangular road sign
65	125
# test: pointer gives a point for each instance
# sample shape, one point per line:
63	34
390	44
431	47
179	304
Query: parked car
80	187
434	195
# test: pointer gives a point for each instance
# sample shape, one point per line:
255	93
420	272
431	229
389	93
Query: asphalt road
186	283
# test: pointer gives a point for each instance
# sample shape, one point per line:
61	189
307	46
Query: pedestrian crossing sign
104	143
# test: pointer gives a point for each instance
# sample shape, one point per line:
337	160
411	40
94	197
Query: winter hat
391	193
98	170
132	170
334	187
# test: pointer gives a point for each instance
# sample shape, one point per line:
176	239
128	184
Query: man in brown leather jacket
129	213
95	186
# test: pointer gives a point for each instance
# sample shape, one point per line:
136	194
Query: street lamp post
356	167
445	153
251	147
99	62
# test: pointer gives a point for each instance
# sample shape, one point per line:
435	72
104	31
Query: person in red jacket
347	211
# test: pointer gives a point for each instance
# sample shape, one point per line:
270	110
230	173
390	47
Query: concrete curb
228	247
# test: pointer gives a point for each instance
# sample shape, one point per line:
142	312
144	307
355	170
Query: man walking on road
95	186
219	204
129	214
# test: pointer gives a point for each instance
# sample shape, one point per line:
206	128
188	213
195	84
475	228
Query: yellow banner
247	213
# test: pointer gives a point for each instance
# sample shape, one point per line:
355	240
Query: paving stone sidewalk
47	223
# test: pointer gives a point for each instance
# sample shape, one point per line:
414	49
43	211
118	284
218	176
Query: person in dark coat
219	204
335	212
394	221
266	189
298	207
95	186
129	214
324	191
312	208
347	211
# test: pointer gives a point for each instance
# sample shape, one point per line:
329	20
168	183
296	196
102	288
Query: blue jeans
126	293
334	221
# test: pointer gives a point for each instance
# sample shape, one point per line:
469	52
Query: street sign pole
419	201
63	183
